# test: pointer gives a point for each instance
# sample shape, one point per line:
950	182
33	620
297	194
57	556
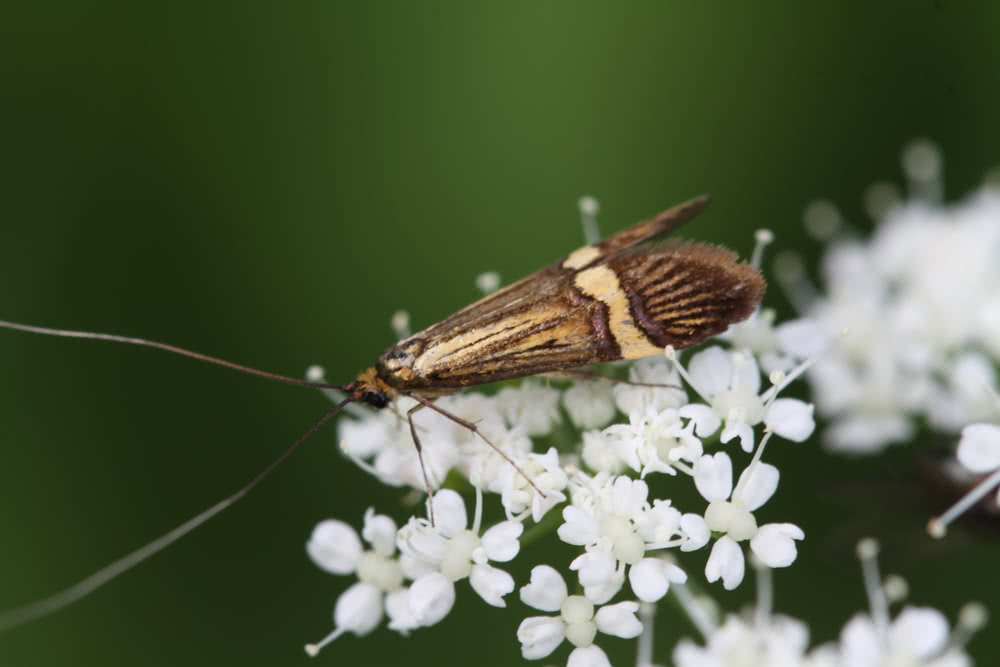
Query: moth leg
420	458
472	427
591	375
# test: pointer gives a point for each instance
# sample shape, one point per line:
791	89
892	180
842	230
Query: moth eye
375	399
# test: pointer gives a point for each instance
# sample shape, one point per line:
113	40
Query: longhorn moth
616	299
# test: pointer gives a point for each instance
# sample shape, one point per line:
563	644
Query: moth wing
535	325
546	284
608	301
648	229
678	293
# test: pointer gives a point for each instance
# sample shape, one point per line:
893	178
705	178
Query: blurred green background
269	182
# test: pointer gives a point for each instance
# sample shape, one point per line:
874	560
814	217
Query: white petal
414	568
710	370
774	543
748	373
861	433
419	541
604	592
802	338
979	448
588	656
662	522
651	370
358	609
599	453
449	512
334	546
546	590
725	561
757	484
491	584
540	506
619	620
705	419
696	532
380	532
532	406
735	428
595	567
860	643
791	418
500	541
363	438
919	631
589	404
579	527
397	606
431	598
713	476
540	635
628	496
651	578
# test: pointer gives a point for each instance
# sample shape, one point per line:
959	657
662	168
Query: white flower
607	526
790	418
577	621
600	454
545	491
756	333
730	512
381	443
611	518
979	453
358	609
654	440
650	371
430	599
920	306
782	642
651	578
589	404
531	406
918	636
979	448
730	382
335	547
455	552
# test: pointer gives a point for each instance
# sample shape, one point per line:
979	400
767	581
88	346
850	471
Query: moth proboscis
617	299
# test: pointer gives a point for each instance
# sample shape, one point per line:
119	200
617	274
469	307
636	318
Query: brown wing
658	226
609	301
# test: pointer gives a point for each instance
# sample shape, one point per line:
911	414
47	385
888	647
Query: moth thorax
395	366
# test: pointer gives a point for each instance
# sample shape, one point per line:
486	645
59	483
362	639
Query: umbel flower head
915	637
590	492
595	466
920	301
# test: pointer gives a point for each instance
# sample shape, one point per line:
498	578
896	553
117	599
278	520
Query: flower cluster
919	306
592	462
707	419
916	637
920	302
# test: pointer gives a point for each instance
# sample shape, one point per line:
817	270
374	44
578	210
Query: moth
621	298
616	299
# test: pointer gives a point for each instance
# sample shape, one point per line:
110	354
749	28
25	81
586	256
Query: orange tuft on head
371	389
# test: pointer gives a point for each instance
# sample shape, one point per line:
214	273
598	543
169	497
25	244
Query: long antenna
90	335
53	603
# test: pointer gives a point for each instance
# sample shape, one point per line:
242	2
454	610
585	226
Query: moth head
371	389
